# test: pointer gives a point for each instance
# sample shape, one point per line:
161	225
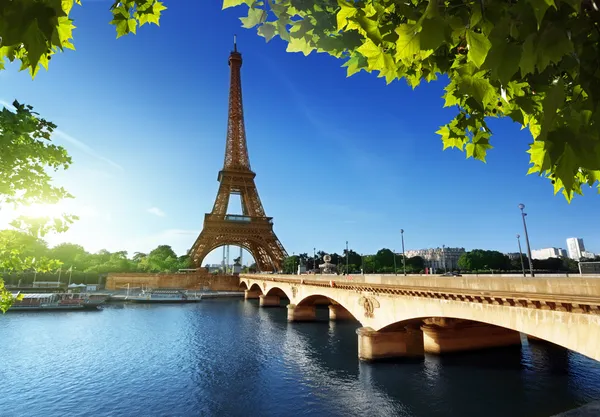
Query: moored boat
55	302
164	296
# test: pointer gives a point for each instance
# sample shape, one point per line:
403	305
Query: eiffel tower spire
252	230
236	149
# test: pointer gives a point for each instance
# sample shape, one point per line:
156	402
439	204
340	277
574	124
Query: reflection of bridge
407	316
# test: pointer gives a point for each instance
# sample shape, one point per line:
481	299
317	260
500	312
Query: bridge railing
588	286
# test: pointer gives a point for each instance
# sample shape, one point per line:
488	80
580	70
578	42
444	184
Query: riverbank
120	297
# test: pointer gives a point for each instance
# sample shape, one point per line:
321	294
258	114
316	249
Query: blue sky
336	158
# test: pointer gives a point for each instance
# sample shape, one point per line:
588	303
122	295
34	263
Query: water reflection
231	358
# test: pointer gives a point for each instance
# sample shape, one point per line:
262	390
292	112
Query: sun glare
42	210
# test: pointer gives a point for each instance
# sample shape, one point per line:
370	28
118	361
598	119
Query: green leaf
479	46
450	139
552	102
299	45
408	45
539	9
346	11
131	25
433	33
233	3
35	43
478	148
355	64
553	44
529	56
255	17
477	87
567	166
539	155
267	30
503	61
378	60
369	28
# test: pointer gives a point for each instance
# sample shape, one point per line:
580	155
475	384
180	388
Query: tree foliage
533	61
479	259
32	31
27	155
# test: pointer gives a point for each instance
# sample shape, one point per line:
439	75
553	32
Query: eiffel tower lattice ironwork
252	230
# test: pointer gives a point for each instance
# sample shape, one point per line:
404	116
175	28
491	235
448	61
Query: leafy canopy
534	61
26	157
31	31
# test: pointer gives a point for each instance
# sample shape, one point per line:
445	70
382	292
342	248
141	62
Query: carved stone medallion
369	304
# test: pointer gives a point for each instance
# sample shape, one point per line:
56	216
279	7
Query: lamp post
395	272
294	263
314	260
403	257
521	254
523	214
347	254
362	263
444	257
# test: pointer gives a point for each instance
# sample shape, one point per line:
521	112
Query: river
230	358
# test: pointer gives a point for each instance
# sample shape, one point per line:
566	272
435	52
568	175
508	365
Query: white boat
164	296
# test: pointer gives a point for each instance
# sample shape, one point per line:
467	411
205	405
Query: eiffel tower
252	230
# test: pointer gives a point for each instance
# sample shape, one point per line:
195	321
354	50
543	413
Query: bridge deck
560	289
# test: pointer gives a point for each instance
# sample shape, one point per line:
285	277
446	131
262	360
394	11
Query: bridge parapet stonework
564	311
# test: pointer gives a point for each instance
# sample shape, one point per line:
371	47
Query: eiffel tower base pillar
301	313
269	301
251	295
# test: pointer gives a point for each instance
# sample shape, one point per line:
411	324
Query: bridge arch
277	291
321	299
577	332
255	287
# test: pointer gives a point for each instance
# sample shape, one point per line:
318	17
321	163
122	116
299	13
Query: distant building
588	255
575	248
548	253
434	257
513	255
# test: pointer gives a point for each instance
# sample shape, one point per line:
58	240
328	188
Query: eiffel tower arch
252	230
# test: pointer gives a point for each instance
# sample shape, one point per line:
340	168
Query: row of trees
69	255
384	261
486	260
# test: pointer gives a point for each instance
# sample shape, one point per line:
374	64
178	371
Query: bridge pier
373	345
337	312
450	335
251	295
269	301
301	313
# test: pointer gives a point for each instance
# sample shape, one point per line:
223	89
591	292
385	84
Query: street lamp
294	263
362	263
523	214
403	257
521	254
347	257
444	257
314	260
395	272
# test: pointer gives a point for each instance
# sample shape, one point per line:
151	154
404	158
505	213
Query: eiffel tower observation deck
252	230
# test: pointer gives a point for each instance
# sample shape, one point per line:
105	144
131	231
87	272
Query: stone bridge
410	316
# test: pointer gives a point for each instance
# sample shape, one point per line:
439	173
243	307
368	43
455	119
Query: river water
230	358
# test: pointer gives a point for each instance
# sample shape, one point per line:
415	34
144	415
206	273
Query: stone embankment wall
189	281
